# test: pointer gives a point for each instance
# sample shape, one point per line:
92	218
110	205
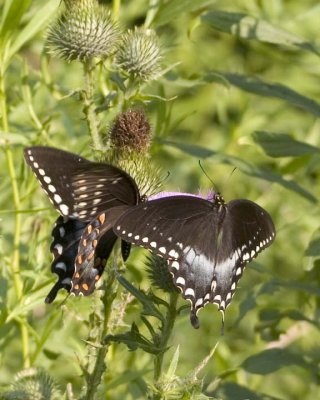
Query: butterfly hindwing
95	246
66	237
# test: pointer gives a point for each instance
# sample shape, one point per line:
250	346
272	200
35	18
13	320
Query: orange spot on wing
102	218
85	286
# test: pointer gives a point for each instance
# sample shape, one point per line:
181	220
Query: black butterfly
80	190
206	243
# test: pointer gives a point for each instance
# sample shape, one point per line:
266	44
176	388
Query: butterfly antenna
204	171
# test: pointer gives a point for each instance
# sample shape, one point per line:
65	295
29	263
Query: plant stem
93	379
89	107
116	9
165	334
15	263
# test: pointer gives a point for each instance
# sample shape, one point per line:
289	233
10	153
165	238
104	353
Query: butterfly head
218	199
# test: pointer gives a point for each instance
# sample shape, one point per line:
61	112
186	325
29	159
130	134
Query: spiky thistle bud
84	30
159	274
139	54
33	384
131	131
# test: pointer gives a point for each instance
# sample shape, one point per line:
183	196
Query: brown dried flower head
131	131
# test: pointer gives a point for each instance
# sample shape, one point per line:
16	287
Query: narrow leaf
173	364
282	145
40	19
148	306
248	27
276	90
12	13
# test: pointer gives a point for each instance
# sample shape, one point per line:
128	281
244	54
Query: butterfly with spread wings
206	242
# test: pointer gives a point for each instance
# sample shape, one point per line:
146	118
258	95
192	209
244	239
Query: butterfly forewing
53	169
78	187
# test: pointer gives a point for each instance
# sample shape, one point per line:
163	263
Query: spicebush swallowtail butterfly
80	190
206	243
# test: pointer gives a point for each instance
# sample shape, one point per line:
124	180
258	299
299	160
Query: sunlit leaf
12	13
39	20
248	27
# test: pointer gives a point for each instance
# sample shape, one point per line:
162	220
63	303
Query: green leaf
282	145
39	20
13	11
313	249
277	90
274	285
249	303
12	138
134	340
170	10
173	364
271	360
248	27
242	165
146	301
232	391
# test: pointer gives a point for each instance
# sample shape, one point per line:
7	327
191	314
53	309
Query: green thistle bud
131	131
83	31
139	54
159	274
33	384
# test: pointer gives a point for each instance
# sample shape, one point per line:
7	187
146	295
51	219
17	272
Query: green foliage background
241	89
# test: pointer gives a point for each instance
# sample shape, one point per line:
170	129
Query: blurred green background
240	89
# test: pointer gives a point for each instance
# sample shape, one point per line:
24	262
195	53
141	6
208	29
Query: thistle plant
83	31
139	55
129	142
33	384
